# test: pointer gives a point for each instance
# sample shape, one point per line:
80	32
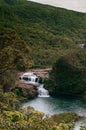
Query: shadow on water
60	104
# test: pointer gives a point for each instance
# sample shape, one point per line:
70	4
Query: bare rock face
29	93
43	73
28	90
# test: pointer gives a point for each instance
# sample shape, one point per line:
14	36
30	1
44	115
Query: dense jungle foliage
68	75
35	35
49	31
13	51
13	58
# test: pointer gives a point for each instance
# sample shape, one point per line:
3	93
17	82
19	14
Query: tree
68	75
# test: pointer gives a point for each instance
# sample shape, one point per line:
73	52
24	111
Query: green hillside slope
49	31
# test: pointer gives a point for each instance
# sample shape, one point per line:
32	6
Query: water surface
50	105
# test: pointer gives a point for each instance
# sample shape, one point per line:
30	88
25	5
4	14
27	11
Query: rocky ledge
29	90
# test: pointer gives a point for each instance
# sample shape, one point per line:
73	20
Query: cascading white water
42	92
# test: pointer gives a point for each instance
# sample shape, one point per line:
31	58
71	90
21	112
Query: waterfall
42	92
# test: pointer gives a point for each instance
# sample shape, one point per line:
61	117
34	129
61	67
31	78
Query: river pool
50	106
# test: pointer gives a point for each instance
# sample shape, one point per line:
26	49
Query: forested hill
49	31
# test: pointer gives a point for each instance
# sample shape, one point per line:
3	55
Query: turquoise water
50	105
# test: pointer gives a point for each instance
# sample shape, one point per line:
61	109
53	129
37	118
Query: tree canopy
68	75
14	52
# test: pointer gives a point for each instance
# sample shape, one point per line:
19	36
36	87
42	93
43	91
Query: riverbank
54	106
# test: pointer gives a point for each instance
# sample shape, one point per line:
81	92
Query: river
50	105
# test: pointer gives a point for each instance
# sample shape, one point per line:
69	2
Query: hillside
13	51
37	36
13	57
49	31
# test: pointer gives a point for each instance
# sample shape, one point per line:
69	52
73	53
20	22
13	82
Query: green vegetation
13	58
68	75
35	35
49	31
13	51
13	117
